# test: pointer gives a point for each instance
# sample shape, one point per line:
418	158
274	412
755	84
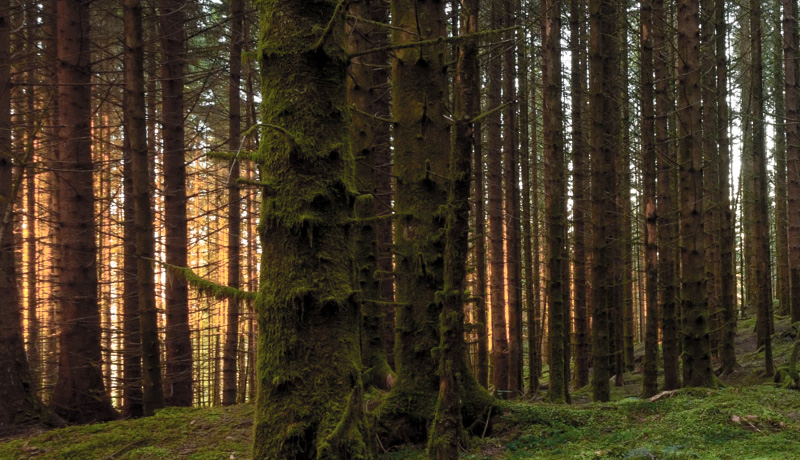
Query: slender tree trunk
783	278
534	314
131	338
80	395
580	188
500	353
605	129
666	207
482	319
136	134
727	279
234	205
178	376
650	377
555	199
790	56
762	274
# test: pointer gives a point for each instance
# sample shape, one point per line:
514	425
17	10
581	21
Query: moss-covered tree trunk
555	199
447	433
309	375
369	137
603	65
650	364
666	207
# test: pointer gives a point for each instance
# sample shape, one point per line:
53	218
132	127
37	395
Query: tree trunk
178	376
666	208
79	395
650	377
534	314
580	188
762	273
500	355
555	196
605	129
696	353
783	284
447	433
369	137
234	205
310	395
19	404
790	50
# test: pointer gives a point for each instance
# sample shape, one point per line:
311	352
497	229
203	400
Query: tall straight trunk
790	56
761	264
368	139
580	185
480	257
419	92
511	194
131	338
650	377
178	376
666	207
534	311
694	302
525	212
136	134
625	337
555	197
19	404
447	431
32	296
783	284
727	281
234	205
79	395
494	166
605	129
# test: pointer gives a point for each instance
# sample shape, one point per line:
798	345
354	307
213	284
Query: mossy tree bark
136	139
580	159
421	146
234	204
177	335
605	129
555	195
694	302
761	263
447	436
369	137
727	280
80	395
309	375
790	55
666	207
19	404
650	365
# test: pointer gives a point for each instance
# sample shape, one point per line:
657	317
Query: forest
399	229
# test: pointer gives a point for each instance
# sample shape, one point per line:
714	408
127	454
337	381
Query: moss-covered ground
748	417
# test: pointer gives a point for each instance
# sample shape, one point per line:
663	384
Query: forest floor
748	417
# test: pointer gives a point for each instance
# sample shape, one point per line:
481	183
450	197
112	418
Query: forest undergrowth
748	417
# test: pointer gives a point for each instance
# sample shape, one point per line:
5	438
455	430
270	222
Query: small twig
329	27
486	425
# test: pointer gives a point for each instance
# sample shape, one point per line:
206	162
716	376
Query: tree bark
80	395
790	55
178	344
